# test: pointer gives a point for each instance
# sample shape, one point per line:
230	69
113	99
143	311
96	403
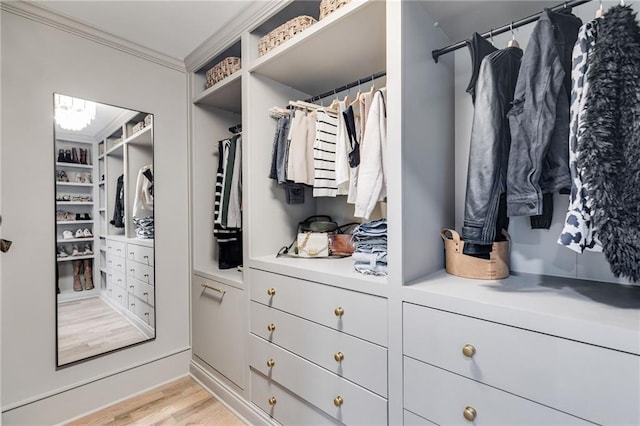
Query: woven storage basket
222	70
284	32
329	6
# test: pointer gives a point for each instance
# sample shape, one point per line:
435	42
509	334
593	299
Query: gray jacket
539	119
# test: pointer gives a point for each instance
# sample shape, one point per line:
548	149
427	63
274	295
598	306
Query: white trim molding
63	23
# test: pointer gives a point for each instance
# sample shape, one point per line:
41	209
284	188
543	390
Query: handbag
313	244
462	265
320	236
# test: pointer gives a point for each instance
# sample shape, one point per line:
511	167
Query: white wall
37	60
532	251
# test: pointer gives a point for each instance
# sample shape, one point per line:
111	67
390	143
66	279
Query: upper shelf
226	94
143	137
322	57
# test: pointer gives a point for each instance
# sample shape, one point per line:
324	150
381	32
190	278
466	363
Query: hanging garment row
336	150
540	127
227	208
143	204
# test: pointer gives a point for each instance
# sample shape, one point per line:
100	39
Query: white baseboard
235	402
80	401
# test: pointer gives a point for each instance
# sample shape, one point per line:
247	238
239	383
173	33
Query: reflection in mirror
104	228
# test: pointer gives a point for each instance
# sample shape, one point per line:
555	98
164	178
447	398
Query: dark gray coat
609	151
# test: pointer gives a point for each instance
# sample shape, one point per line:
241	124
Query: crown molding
248	19
64	23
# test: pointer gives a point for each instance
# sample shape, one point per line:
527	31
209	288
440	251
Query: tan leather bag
462	265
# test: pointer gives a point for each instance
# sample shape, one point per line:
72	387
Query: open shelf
74	165
74	184
226	94
69	258
73	222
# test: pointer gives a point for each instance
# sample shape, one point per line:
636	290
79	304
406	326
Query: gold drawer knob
272	401
271	327
271	362
468	351
470	413
338	401
339	356
339	311
271	291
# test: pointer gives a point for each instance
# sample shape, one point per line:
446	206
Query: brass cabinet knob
271	362
339	311
271	327
272	401
339	356
470	413
338	401
271	291
468	350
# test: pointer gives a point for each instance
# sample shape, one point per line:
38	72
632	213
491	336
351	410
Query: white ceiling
172	27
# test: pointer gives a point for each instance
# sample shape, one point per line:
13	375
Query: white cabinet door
218	330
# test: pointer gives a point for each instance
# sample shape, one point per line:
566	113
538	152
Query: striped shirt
324	155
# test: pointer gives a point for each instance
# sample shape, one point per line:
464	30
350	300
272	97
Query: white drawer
442	397
411	419
141	272
219	326
363	363
116	248
140	254
140	290
363	315
318	386
142	310
284	406
116	278
115	263
597	384
120	296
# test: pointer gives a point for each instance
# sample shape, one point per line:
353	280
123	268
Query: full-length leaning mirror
105	290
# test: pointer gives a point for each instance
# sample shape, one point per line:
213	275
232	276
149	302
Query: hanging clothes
280	150
343	148
351	121
230	215
143	199
479	47
609	149
324	155
372	179
579	232
118	209
485	202
229	238
539	119
300	166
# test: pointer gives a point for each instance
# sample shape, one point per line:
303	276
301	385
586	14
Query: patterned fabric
229	239
579	232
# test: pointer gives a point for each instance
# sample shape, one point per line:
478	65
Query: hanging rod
515	24
347	86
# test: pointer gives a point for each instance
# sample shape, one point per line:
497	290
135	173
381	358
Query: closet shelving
215	110
347	45
74	172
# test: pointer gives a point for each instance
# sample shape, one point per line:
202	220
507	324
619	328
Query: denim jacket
539	119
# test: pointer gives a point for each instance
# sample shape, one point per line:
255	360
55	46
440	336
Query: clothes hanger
334	105
600	11
346	98
491	37
513	42
357	98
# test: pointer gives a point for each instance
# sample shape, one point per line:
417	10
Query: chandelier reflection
73	113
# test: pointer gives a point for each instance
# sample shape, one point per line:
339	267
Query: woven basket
284	32
222	70
329	6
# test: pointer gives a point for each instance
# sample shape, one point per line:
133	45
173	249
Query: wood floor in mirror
181	402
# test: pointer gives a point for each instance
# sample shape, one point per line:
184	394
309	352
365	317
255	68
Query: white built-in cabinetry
300	341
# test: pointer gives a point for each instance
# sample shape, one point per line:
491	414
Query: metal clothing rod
347	86
513	25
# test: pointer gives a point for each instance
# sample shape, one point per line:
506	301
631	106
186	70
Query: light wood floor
183	402
90	327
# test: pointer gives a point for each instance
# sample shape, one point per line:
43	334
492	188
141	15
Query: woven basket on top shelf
284	32
222	70
329	6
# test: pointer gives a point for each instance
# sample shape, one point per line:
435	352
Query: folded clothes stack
144	227
370	244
